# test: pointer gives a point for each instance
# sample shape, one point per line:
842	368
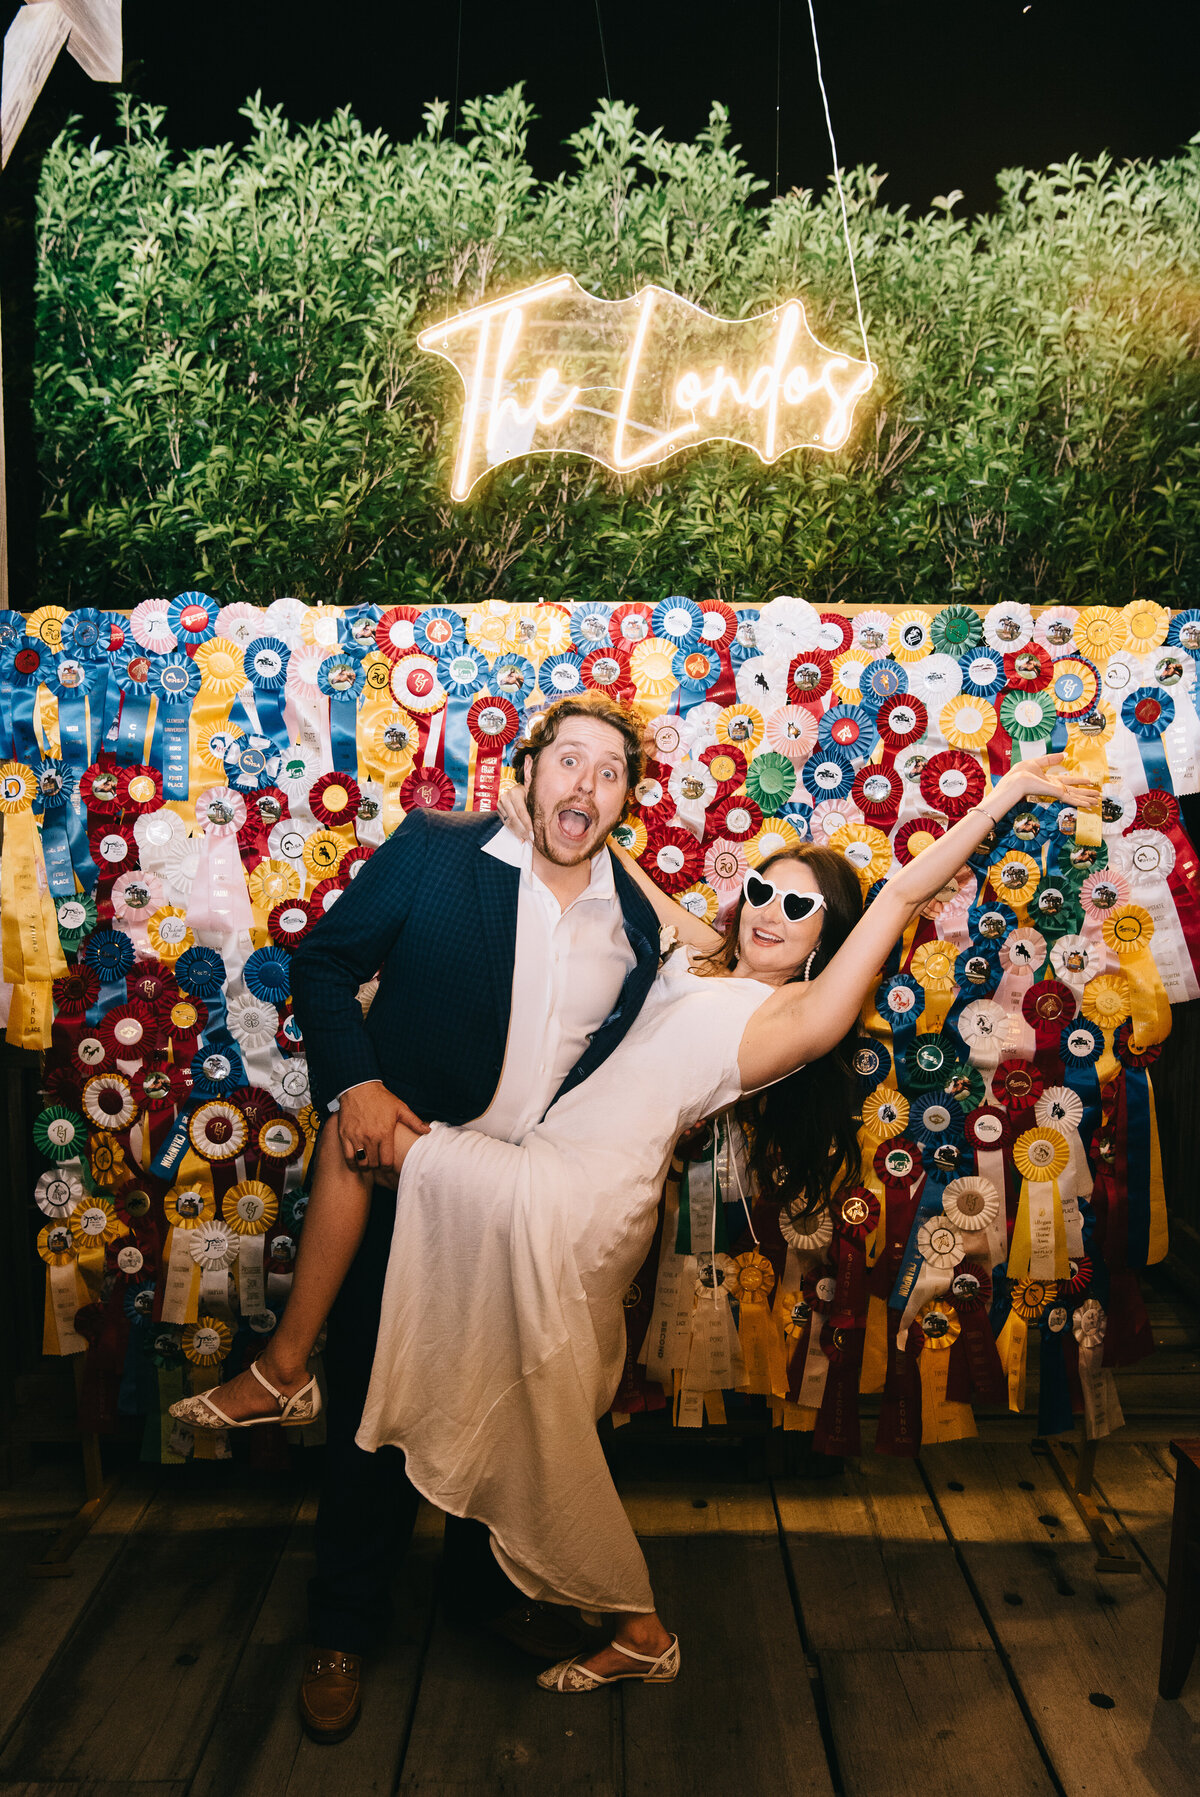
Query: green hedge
228	394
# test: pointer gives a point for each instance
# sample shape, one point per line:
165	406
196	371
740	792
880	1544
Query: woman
501	1338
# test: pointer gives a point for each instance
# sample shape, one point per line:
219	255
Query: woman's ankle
282	1369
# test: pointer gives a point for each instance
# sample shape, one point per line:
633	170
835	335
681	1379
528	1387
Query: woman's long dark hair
801	1130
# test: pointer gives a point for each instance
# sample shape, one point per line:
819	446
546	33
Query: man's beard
589	846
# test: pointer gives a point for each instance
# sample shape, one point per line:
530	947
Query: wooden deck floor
922	1630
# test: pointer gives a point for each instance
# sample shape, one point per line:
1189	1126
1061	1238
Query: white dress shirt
568	972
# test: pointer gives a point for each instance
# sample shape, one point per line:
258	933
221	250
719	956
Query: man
508	972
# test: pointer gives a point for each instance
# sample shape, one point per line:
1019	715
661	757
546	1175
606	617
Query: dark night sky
939	95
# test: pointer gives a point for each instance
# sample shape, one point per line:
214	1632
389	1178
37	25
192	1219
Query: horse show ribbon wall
187	788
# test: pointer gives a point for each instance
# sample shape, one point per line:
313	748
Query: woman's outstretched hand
513	808
1046	777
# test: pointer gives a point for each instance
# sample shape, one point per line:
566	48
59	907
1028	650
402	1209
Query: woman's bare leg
639	1629
333	1228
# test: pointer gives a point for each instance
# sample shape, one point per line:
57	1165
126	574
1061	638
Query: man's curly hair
625	719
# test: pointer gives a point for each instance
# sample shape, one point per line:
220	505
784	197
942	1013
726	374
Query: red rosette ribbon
99	787
916	826
837	1427
833	620
428	789
151	984
901	721
727	764
672	857
394	634
76	991
606	670
160	1087
952	782
326	893
492	722
877	791
352	860
183	1021
630	625
345	799
1028	670
898	1432
1047	1007
810	676
855	1216
290	922
736	817
114	848
131	1032
1157	810
975	1367
1017	1085
714	610
288	1038
132	785
898	1167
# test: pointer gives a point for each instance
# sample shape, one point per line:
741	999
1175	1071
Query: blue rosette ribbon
342	678
1147	713
175	681
678	620
266	662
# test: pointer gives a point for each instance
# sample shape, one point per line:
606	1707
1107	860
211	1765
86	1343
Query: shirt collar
506	847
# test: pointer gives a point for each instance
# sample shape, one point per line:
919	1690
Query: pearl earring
808	964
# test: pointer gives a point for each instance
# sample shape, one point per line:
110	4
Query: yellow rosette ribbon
1039	1239
1014	878
269	884
1100	632
941	1420
1146	625
32	953
910	636
46	624
185	1207
1106	1003
1029	1299
222	677
65	1290
968	723
394	742
652	668
932	967
1128	932
250	1209
751	1282
740	727
847	670
867	849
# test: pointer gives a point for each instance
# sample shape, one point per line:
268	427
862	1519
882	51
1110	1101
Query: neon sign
552	369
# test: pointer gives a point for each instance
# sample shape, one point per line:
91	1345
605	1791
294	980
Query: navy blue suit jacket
436	918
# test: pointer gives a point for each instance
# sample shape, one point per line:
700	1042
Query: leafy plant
228	393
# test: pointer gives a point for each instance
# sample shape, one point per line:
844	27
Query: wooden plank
1140	1494
31	43
133	1692
1083	1647
258	1744
482	1725
872	1563
94	1787
919	1722
36	1616
701	1508
741	1715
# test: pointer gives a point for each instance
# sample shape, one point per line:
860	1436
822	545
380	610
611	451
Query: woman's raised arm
800	1023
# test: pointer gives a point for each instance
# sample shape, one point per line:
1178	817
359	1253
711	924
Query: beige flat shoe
652	1669
203	1411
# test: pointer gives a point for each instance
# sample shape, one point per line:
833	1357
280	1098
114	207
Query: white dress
502	1333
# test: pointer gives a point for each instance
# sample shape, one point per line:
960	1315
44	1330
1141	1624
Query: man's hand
367	1122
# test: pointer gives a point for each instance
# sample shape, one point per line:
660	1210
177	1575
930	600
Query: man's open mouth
575	824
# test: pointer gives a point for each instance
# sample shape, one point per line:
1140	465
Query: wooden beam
95	40
31	43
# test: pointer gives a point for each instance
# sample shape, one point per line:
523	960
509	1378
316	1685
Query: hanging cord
603	53
778	88
457	68
837	176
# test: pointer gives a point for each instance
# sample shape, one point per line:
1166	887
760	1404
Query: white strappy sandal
203	1411
652	1669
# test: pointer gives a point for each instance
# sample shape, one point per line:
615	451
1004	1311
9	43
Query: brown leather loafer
331	1694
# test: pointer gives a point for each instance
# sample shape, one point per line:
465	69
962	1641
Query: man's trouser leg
367	1508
